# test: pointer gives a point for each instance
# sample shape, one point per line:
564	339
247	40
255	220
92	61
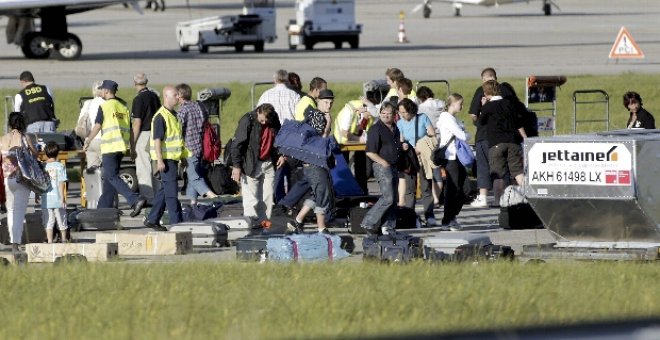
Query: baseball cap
109	85
326	94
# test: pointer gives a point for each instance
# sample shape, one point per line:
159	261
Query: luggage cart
605	99
440	81
9	107
541	96
254	88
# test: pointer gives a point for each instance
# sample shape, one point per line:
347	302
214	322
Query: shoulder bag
464	153
30	171
439	155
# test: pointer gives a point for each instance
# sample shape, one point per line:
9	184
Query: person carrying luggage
37	105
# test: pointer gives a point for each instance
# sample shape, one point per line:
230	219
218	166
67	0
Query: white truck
324	21
255	26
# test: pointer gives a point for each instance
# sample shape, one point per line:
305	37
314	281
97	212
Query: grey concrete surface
517	40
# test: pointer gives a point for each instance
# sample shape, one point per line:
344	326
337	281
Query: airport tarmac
473	220
518	40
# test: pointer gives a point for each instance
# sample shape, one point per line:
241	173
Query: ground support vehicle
324	21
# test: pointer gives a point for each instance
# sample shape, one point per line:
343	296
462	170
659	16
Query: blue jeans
196	185
282	175
41	126
112	184
319	180
385	208
296	193
167	195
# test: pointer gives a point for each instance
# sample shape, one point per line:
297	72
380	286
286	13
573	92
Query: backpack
219	180
210	143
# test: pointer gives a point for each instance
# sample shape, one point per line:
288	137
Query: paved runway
516	39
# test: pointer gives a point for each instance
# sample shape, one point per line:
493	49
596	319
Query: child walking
53	203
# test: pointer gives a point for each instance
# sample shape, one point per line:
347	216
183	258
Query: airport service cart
541	97
599	194
324	21
255	26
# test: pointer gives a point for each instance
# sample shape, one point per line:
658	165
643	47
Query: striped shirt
283	99
192	116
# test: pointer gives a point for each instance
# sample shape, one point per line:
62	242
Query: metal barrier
254	87
9	107
605	100
442	81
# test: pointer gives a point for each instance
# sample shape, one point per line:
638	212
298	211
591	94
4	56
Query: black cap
326	94
109	85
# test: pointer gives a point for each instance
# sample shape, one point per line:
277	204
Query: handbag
464	153
84	126
439	155
409	161
30	171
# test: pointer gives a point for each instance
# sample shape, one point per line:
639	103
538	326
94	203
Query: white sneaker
455	226
430	222
479	202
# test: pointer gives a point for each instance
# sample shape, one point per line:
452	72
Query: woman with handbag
450	133
17	194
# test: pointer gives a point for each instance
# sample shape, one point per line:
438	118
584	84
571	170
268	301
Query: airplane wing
458	4
54	35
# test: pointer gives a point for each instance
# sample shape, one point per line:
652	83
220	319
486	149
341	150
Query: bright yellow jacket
304	102
349	110
173	147
116	127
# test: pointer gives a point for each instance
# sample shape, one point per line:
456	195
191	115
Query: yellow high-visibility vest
302	105
172	147
349	109
116	127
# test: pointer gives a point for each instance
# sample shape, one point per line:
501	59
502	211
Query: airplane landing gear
457	9
35	46
70	48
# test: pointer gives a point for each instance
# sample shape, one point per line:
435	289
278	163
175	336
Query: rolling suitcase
392	248
94	187
204	234
355	217
448	242
519	216
33	229
95	219
253	247
238	226
406	218
231	210
488	252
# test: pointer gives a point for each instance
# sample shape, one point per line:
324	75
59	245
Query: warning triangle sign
625	46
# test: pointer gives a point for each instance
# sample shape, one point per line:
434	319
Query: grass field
250	301
240	100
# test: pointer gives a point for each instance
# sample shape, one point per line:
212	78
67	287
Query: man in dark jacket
255	158
36	104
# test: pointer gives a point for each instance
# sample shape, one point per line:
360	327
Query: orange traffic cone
402	28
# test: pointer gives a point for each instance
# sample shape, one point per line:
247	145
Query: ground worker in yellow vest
113	121
315	87
351	126
167	149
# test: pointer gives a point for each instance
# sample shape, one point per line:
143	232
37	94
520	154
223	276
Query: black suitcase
231	210
519	216
406	218
489	252
66	141
95	219
392	248
355	217
253	247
